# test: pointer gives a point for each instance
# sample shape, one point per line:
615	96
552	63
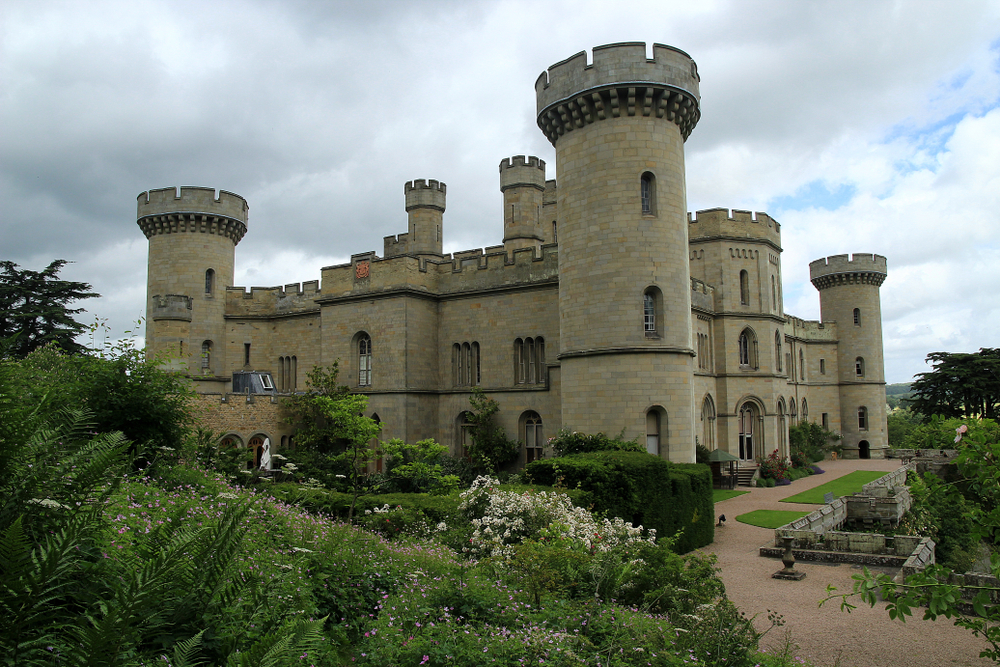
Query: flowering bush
502	519
773	467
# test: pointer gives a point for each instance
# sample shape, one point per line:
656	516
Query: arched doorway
255	448
749	433
864	450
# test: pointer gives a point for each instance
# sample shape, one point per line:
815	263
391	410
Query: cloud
863	127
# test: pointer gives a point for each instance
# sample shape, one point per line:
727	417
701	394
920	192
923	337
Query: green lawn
769	518
718	495
842	486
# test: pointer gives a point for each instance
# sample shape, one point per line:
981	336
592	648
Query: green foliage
118	388
938	432
900	424
941	512
642	489
330	420
961	385
566	443
417	468
809	442
490	448
35	310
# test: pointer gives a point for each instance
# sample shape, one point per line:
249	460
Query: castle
607	307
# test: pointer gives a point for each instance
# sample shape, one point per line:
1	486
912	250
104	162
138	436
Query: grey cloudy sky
861	126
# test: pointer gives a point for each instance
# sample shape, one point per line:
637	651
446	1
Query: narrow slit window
365	361
647	191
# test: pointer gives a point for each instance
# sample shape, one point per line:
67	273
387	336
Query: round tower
849	295
619	126
522	182
192	240
425	212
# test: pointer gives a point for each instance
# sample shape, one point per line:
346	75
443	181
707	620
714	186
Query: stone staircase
745	475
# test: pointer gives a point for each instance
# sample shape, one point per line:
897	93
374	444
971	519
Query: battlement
863	268
192	199
702	295
422	193
572	93
718	222
170	307
520	171
291	299
192	209
810	330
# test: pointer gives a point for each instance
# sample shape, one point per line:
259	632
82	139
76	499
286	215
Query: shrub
773	467
810	442
641	489
573	442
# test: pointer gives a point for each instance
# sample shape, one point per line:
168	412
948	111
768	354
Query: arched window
281	374
653	431
774	295
747	344
857	317
529	361
782	425
802	364
652	312
777	350
793	409
862	418
805	410
708	422
647	191
210	281
744	288
859	367
293	373
748	429
364	360
531	436
465	364
206	356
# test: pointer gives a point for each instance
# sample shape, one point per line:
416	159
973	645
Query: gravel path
826	636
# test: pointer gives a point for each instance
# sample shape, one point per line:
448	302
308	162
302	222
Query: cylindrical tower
192	240
522	182
849	295
425	211
618	127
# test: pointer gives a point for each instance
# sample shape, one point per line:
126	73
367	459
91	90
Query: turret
522	182
849	295
425	211
192	236
618	126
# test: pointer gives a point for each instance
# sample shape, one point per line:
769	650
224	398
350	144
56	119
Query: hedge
670	497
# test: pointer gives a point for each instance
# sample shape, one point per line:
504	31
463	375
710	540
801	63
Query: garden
136	541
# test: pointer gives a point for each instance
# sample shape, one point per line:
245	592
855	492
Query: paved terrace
827	636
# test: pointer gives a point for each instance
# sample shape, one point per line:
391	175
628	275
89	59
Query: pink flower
960	431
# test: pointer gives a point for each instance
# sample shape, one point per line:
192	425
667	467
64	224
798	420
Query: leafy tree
35	309
417	468
330	420
901	424
490	448
809	442
961	385
118	387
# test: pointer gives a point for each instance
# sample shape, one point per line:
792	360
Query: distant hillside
897	389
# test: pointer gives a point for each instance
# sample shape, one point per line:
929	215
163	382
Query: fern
283	647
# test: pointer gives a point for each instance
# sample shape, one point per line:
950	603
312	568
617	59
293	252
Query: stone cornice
620	99
874	278
177	222
601	351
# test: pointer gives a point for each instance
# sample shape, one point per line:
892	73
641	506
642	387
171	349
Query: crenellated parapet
522	171
719	223
292	299
192	209
422	193
621	81
702	296
809	330
856	269
170	307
